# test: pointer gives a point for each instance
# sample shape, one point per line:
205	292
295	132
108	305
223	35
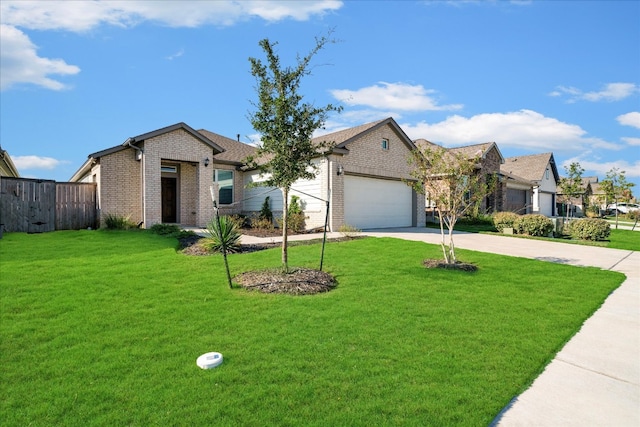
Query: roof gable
480	150
531	167
344	137
140	138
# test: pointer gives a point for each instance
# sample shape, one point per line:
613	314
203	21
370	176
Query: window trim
216	181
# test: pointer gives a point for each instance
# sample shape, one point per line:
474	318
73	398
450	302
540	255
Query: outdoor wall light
340	170
206	162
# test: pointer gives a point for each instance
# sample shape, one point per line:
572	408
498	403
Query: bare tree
571	186
452	182
616	187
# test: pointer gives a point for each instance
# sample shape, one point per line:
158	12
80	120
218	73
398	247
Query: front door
169	200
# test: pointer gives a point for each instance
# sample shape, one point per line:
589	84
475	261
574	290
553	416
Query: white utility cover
209	360
376	203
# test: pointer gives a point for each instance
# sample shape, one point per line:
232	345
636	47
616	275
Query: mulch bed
299	281
438	263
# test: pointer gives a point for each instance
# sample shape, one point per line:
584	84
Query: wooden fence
36	206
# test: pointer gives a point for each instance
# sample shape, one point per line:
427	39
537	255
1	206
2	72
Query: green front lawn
104	328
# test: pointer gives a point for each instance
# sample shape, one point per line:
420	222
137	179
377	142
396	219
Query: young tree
571	186
616	188
286	125
451	182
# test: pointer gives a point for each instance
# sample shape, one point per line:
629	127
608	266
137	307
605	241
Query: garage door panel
377	203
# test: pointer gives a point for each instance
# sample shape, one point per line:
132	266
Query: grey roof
531	167
234	151
481	150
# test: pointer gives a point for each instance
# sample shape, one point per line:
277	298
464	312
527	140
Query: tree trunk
285	231
443	244
452	248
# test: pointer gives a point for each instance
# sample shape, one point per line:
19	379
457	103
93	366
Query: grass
104	328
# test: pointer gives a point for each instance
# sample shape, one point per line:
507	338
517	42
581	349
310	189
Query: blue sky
533	76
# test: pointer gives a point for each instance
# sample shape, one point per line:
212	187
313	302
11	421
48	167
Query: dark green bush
265	211
165	229
170	230
588	229
502	220
533	225
227	233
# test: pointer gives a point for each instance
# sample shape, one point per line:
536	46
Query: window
547	173
168	169
224	179
385	144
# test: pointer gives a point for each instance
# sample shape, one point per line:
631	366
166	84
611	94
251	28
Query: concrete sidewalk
595	379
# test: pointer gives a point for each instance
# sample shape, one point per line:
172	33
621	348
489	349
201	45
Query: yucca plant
226	233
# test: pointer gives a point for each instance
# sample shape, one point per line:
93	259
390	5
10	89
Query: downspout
140	157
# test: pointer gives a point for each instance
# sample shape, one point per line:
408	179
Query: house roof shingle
531	167
234	151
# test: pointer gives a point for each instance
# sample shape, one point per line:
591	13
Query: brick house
165	176
490	160
531	183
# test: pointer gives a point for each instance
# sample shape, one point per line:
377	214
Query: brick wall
120	189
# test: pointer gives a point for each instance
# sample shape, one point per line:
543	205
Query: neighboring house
165	176
580	203
598	197
7	168
362	178
541	172
489	165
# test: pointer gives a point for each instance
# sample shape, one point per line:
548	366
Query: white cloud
630	119
610	92
591	167
631	141
20	62
84	15
520	129
35	162
393	96
178	54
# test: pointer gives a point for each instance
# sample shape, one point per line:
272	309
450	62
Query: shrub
477	219
165	229
238	220
265	211
295	216
118	222
349	231
502	220
588	229
170	230
261	224
226	233
533	225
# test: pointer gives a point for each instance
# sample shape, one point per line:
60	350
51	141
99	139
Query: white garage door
376	203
